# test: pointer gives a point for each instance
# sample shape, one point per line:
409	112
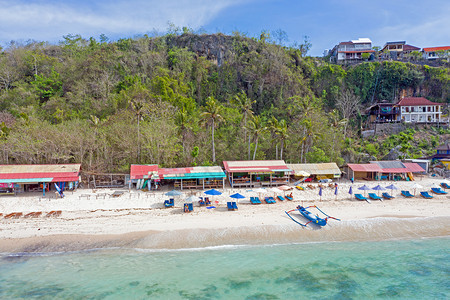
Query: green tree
244	104
212	115
257	127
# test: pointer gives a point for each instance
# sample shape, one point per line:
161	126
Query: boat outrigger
315	219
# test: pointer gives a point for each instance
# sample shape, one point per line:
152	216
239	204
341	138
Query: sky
326	22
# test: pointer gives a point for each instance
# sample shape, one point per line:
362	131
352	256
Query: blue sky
326	22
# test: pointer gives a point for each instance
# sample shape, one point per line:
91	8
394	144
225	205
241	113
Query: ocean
416	268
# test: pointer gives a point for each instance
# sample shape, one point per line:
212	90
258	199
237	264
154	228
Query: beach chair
407	194
445	185
169	203
232	206
438	191
201	202
289	197
280	198
374	196
188	207
255	200
300	188
387	196
207	201
360	197
426	195
269	200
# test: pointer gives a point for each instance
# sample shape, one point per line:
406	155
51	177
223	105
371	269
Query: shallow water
403	269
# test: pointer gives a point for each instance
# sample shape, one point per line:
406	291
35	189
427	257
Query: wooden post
181	184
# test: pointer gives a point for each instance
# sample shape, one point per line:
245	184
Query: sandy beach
96	219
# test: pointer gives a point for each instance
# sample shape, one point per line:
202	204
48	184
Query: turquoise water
402	269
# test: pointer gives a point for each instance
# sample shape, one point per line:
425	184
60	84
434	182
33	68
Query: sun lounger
289	198
360	197
269	200
207	201
407	194
169	203
281	198
188	207
445	185
438	191
387	196
201	202
255	200
300	188
374	196
232	206
426	195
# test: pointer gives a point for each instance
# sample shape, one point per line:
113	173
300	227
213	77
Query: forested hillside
179	100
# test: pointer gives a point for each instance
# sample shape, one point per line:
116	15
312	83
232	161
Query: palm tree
282	135
244	104
212	115
273	125
183	121
257	127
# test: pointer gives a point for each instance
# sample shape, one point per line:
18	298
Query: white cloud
44	20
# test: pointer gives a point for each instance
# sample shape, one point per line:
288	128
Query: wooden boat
315	219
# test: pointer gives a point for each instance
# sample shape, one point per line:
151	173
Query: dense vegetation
185	99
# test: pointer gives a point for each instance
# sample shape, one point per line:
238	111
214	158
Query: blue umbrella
174	193
213	192
350	190
378	188
364	188
392	187
320	194
237	196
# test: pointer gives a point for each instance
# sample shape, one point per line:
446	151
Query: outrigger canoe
315	219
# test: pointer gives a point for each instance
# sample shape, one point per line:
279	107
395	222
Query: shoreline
137	219
370	230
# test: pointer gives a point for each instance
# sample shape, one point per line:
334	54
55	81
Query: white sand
137	211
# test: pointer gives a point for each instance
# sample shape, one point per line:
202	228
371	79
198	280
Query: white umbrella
416	186
191	199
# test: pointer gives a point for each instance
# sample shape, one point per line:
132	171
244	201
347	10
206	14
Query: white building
436	52
419	110
352	50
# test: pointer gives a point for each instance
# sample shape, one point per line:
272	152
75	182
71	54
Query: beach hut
144	174
257	173
317	171
194	177
29	178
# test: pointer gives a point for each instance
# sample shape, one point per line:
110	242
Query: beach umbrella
320	193
364	188
191	199
350	191
378	188
416	186
173	193
336	192
237	196
213	192
392	187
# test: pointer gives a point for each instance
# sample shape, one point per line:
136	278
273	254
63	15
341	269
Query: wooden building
257	173
317	171
23	178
